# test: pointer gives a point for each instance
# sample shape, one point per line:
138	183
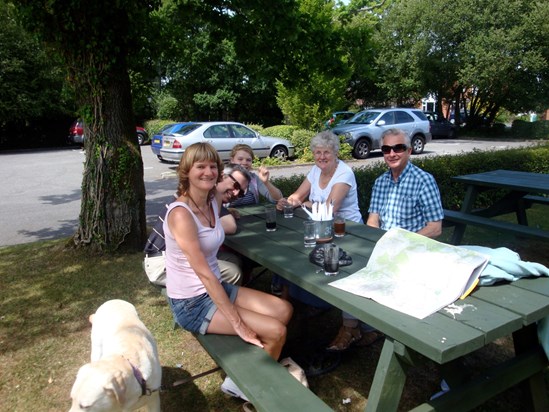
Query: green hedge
530	130
443	168
154	126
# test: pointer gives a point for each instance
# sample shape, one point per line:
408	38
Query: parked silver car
363	131
223	136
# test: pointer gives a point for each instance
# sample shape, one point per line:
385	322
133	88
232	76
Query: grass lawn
47	293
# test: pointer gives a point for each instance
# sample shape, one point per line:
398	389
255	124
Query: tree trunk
112	212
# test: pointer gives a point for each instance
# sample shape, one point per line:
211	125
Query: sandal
345	338
369	338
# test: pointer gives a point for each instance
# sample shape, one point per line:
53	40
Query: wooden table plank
508	179
493	320
534	284
531	306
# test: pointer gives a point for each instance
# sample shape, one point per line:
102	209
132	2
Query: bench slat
507	227
268	385
530	199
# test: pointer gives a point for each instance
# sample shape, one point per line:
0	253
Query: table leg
389	378
468	202
524	340
520	211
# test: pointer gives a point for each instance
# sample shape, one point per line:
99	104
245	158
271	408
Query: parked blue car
156	142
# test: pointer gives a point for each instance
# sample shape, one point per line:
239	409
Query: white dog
124	373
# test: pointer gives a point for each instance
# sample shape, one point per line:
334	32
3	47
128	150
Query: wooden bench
268	384
462	218
529	200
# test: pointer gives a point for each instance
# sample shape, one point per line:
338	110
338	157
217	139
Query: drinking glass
324	231
309	239
339	225
288	209
331	259
270	218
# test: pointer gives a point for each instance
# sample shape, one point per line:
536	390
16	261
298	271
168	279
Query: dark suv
363	131
440	127
76	134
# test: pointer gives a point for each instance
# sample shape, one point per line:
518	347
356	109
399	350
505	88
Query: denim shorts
195	314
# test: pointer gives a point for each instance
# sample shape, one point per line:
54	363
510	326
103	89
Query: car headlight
347	137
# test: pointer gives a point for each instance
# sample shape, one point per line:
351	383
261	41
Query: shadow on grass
53	290
173	398
48	292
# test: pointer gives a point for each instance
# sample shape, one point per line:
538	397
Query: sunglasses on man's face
398	148
236	186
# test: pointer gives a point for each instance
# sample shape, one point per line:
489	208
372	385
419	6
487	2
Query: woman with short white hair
330	180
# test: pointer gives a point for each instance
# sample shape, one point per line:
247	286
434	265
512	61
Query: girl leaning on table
199	301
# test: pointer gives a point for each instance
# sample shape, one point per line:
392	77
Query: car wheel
362	149
140	139
280	152
418	144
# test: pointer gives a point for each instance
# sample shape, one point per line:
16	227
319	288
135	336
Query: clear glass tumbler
309	239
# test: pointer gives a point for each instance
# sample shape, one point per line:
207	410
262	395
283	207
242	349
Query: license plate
166	144
156	141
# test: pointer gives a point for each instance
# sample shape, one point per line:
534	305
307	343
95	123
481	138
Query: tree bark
112	212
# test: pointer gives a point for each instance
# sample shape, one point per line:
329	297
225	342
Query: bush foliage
154	126
530	130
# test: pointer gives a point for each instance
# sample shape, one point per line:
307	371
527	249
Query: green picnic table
519	190
487	314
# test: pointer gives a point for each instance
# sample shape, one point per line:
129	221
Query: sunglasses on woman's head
236	186
398	148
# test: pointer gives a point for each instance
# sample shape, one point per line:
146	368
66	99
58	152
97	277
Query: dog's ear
91	318
117	387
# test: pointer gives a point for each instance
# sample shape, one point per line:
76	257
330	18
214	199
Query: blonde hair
197	152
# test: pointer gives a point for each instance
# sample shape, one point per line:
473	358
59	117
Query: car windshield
176	128
188	128
167	128
364	117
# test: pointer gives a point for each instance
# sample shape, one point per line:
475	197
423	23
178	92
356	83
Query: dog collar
140	379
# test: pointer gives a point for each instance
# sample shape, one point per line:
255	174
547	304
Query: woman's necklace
202	213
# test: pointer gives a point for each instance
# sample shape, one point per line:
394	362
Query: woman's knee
278	332
286	311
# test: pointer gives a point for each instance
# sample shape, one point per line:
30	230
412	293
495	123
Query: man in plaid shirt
406	197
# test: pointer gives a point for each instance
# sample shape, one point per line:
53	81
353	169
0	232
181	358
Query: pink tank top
181	280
